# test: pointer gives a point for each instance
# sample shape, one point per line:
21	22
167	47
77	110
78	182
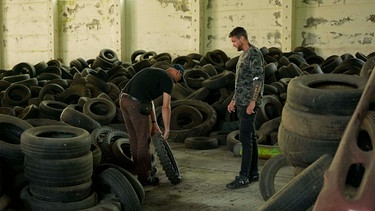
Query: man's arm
154	123
166	114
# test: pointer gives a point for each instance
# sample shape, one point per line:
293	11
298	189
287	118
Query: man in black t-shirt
136	104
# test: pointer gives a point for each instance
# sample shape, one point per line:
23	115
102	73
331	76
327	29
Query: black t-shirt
149	84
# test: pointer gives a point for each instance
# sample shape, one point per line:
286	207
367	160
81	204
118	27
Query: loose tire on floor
268	174
138	188
167	159
113	181
301	192
201	143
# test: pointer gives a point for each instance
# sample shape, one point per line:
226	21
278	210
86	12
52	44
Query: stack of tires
58	166
317	110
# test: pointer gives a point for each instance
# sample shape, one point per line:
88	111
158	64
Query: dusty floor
204	176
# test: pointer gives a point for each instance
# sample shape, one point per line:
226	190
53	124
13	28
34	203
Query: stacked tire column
317	110
58	166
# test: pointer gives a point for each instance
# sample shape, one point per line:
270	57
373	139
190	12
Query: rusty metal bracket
334	195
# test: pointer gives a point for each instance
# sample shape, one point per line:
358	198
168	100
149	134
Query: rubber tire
202	129
55	142
318	126
201	143
302	191
138	188
301	151
118	184
310	93
32	203
167	160
59	172
268	174
185	117
78	119
100	109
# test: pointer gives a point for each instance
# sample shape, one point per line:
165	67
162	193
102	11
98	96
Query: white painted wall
39	30
87	26
336	26
26	32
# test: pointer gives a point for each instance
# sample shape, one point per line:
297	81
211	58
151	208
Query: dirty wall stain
314	22
71	24
277	16
312	2
356	38
309	38
209	5
275	2
179	5
371	18
274	37
341	21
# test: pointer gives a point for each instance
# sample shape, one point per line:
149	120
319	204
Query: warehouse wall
330	26
40	30
36	30
336	26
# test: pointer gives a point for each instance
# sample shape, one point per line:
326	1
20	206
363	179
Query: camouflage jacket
249	73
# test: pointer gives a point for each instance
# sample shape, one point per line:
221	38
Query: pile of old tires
58	166
317	110
315	115
84	94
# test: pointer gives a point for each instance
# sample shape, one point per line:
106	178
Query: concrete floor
204	176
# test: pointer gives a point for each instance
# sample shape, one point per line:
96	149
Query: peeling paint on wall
371	18
72	23
341	21
94	24
356	38
209	5
312	2
179	5
277	16
275	2
339	1
310	39
367	41
209	22
186	17
274	38
314	22
71	11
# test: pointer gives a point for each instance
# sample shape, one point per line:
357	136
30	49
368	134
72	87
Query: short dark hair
238	32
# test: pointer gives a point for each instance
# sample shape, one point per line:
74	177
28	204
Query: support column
287	36
1	35
198	25
53	30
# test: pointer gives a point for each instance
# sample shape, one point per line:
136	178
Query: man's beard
239	48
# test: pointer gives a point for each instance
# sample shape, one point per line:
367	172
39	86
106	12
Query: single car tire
268	174
167	159
302	191
201	143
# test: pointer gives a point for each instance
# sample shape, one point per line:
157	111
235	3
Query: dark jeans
249	162
138	129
